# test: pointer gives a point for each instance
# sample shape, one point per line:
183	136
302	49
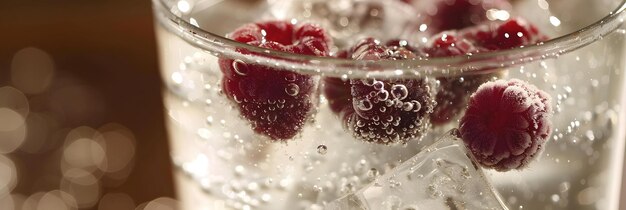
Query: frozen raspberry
504	35
276	102
454	91
506	124
458	14
380	111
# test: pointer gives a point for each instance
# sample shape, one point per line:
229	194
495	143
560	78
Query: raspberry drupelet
380	111
276	102
507	124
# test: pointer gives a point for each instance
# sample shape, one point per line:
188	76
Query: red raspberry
458	14
380	111
454	91
275	101
448	43
509	34
506	124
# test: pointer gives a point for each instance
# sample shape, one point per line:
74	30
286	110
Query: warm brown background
109	45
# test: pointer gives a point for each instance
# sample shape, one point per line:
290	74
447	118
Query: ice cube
442	176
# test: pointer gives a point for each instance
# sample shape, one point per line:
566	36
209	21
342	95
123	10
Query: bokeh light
120	147
162	203
55	200
44	115
32	201
116	201
13	201
83	186
15	100
7	202
12	130
32	70
8	176
83	153
11	120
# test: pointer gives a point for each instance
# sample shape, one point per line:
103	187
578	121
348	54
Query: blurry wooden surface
110	46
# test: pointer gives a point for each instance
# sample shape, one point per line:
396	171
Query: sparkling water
221	163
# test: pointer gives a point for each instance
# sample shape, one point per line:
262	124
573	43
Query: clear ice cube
442	176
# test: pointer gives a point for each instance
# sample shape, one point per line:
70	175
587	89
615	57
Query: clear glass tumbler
223	163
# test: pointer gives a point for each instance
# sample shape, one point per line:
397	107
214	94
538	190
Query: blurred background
81	117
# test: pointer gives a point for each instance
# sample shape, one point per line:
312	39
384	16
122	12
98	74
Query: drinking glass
222	163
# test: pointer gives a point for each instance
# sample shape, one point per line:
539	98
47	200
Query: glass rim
479	63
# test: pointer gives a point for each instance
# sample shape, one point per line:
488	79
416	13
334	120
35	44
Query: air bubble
272	117
378	85
373	173
239	170
360	123
240	67
417	106
398	104
322	149
555	198
383	95
364	105
291	77
237	99
266	197
292	89
389	131
407	106
399	92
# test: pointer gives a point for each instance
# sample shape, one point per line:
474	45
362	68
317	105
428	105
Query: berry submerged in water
507	124
498	35
458	14
453	91
380	111
276	102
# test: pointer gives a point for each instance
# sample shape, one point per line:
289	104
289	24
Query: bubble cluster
387	112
